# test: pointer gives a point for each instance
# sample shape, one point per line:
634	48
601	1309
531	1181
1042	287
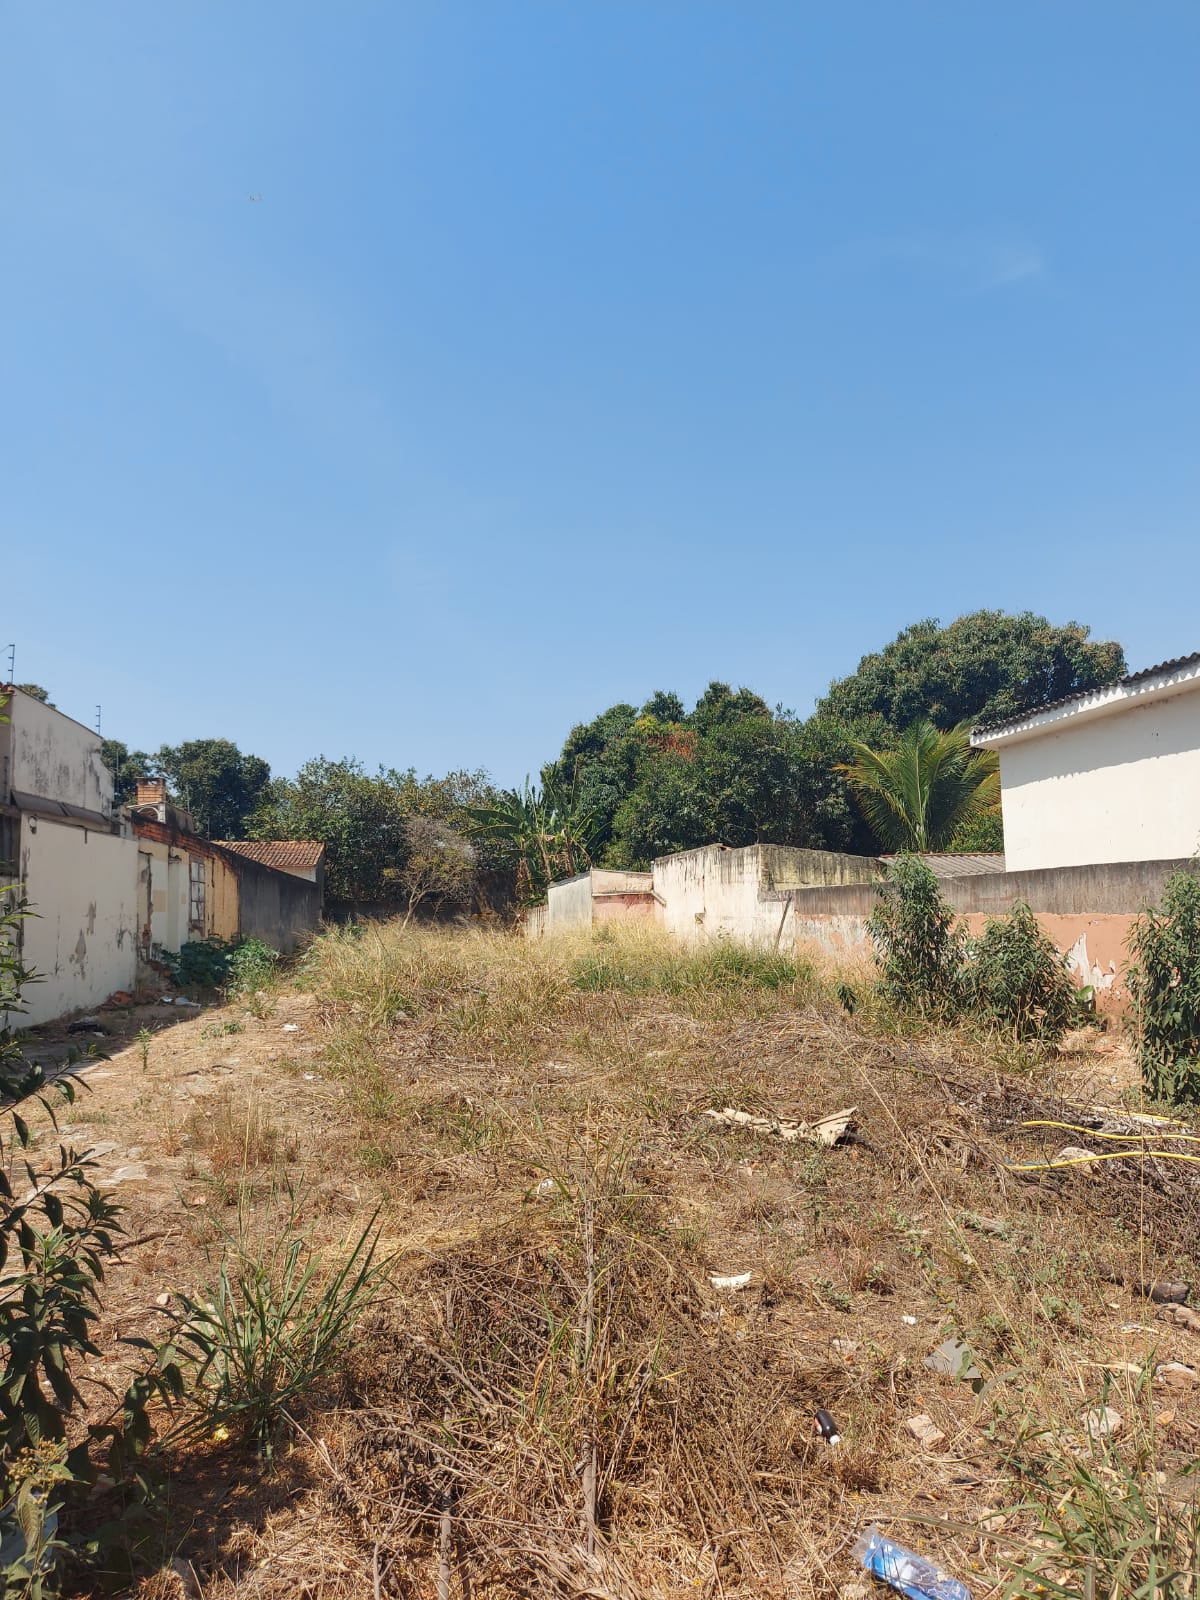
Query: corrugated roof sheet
1080	694
950	864
279	853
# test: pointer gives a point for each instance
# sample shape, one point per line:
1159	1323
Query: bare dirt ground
542	1157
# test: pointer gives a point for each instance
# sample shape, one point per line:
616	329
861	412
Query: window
196	897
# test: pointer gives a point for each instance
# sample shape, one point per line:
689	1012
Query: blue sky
576	350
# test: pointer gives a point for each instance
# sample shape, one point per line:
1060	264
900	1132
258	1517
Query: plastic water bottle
905	1570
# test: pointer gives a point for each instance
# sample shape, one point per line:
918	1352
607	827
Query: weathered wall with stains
83	938
740	894
274	906
44	753
569	904
208	892
1087	911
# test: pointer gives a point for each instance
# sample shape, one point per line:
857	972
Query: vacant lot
552	1396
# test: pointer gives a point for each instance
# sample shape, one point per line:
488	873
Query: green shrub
1106	1529
56	1235
272	1327
919	950
250	966
1016	978
201	963
1164	983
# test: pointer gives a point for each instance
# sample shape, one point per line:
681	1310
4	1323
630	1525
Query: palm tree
548	831
917	796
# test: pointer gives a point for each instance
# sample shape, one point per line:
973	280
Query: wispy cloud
971	263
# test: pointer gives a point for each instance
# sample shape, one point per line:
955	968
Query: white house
60	839
1111	774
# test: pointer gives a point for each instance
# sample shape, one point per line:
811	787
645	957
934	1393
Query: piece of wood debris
735	1280
827	1131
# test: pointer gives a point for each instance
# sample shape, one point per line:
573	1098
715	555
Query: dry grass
556	1400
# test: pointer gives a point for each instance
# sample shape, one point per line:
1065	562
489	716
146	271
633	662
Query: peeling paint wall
1086	911
50	755
83	939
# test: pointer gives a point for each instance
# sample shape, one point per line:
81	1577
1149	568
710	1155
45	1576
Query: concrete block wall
746	894
1087	911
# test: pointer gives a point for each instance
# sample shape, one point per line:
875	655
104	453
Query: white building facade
1112	774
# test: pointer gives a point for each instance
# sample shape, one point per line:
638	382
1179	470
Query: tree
720	705
36	692
548	831
215	782
439	865
983	666
358	816
126	766
917	796
757	779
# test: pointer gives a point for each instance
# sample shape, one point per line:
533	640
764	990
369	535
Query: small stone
1176	1376
924	1429
843	1347
135	1172
736	1280
1103	1422
1168	1293
162	1300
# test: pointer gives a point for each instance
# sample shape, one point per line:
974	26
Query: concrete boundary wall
1087	911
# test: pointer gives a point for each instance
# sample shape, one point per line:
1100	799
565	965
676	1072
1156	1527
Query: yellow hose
1108	1155
1091	1133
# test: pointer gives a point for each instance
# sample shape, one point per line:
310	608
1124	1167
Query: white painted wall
569	904
713	893
82	885
50	755
1123	786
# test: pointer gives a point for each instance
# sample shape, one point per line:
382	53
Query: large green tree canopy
982	666
212	778
730	770
362	819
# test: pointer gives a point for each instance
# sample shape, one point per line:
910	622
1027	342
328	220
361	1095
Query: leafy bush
201	963
272	1327
250	966
1012	975
54	1242
918	948
1164	982
1016	978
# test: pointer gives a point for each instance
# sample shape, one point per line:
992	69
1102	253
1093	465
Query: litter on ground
827	1131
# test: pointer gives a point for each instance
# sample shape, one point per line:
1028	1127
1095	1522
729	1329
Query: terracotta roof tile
283	854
